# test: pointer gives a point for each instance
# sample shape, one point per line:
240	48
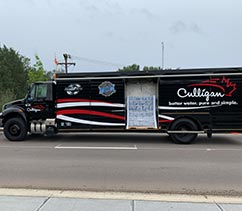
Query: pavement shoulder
132	196
58	200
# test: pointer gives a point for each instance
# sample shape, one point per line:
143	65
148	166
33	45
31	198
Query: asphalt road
123	162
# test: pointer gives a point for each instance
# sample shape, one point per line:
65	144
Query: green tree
136	67
13	75
151	68
6	95
129	68
37	72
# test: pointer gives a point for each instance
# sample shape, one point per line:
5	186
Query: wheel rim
14	130
184	128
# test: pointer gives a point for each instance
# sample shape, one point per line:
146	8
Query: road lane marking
96	148
27	147
188	149
135	147
223	149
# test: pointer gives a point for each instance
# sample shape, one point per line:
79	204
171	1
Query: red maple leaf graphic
229	86
224	84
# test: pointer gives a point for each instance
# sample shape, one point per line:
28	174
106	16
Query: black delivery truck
182	103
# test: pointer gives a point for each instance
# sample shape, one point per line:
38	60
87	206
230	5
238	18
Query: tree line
135	67
17	74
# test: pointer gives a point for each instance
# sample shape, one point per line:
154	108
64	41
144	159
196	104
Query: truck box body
182	103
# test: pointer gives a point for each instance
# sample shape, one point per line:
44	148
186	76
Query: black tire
182	125
15	129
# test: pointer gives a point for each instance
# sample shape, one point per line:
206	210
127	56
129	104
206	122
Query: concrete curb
121	196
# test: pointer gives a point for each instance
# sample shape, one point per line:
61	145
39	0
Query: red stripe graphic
89	112
165	120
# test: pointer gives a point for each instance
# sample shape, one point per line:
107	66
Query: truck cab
32	114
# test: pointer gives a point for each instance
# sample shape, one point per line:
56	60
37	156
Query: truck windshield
32	92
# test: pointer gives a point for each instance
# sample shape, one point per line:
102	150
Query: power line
95	61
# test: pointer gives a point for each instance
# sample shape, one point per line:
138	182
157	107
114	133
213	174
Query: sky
104	35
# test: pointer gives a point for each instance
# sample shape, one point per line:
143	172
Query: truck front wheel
183	125
15	129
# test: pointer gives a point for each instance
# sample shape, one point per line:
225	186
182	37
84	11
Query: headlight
4	107
1	124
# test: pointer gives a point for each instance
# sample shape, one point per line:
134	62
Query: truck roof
151	74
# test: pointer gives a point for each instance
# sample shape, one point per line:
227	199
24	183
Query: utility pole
163	49
66	63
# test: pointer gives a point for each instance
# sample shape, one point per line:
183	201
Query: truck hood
14	103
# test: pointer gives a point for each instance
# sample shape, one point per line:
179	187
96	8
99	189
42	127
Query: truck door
40	103
141	101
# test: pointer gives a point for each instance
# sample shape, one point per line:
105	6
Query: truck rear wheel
15	129
181	125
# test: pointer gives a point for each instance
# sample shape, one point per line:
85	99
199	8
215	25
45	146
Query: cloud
102	7
148	14
179	27
195	28
91	8
109	34
112	5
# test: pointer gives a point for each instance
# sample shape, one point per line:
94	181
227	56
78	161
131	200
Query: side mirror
28	98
